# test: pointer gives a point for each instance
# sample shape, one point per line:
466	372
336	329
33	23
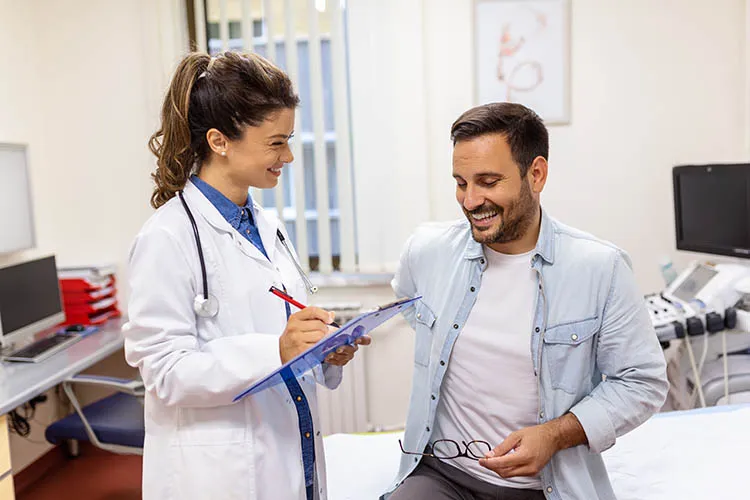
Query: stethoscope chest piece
206	307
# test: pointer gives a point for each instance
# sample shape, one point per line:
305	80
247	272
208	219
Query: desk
20	382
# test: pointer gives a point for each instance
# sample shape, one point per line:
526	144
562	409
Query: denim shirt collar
545	244
226	207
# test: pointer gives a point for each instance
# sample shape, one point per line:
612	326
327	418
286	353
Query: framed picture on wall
522	54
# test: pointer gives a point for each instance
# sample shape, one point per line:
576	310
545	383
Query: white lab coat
199	445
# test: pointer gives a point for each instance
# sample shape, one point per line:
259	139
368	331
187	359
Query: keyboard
43	348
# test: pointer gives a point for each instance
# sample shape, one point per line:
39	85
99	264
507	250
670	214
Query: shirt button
574	337
481	261
549	489
541	414
419	316
536	329
307	435
473	289
442	363
299	398
455	326
248	231
428	429
433	397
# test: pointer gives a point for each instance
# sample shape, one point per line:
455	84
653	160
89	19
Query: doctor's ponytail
227	92
171	143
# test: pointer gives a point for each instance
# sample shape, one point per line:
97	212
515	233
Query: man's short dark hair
523	129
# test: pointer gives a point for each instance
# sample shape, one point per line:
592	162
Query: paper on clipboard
347	334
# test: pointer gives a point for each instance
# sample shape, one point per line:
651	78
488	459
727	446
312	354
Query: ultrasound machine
712	216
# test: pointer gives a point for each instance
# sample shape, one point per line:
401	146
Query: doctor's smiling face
227	118
256	158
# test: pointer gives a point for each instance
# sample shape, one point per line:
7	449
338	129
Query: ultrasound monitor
712	208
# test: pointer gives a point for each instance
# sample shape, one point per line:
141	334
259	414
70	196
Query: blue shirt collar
226	207
545	245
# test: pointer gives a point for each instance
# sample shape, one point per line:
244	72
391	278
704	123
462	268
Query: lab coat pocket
569	349
219	425
425	320
214	471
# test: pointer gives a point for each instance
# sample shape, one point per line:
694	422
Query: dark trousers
435	480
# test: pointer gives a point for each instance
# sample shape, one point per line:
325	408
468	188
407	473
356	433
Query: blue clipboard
346	335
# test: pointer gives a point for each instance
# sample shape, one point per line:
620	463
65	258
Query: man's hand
523	453
526	452
344	354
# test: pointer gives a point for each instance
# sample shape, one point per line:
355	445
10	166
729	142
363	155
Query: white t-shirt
489	389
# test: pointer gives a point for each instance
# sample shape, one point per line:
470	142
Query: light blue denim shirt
594	351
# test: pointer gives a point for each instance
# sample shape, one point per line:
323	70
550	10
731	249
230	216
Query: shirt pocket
569	349
425	320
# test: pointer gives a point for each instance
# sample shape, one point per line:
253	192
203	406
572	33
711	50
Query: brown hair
227	92
523	129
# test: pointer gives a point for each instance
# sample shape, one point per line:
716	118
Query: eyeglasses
447	449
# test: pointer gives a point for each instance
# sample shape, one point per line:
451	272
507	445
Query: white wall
654	84
17	80
80	84
646	98
17	73
83	86
91	173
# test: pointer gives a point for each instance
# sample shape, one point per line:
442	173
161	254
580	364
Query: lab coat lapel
200	204
268	225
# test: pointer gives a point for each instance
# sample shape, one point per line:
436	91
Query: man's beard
515	219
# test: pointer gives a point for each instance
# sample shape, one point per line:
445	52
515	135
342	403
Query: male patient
534	350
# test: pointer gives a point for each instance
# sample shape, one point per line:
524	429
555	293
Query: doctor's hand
344	354
303	330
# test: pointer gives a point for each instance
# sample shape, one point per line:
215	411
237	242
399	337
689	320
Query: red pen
287	298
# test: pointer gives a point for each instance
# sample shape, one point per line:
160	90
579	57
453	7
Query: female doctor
202	323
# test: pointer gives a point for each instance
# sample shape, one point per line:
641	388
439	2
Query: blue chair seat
117	420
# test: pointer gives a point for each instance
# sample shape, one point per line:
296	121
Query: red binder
90	307
82	285
89	294
92	319
73	298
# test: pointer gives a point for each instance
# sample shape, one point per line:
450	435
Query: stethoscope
206	305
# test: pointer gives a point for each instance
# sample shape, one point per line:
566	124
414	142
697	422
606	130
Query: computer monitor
712	208
16	214
29	299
